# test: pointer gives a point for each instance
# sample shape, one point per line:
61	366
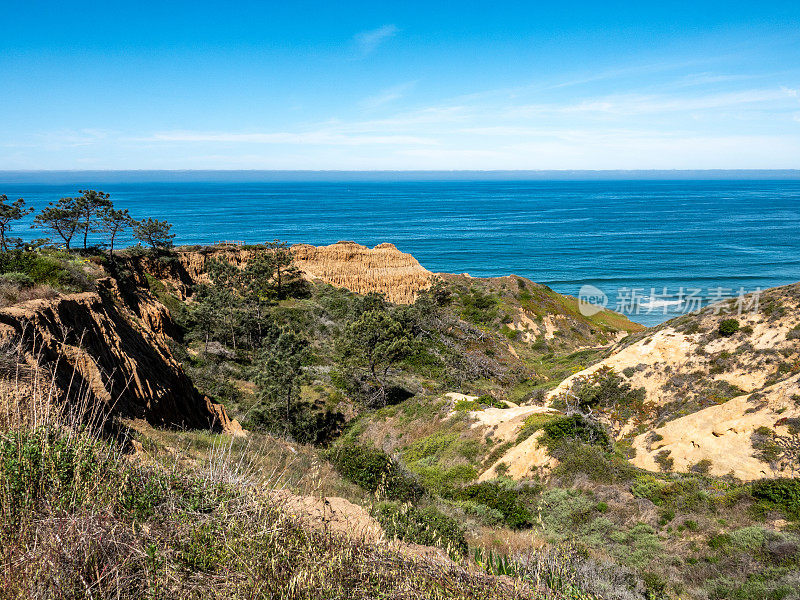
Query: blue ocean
658	239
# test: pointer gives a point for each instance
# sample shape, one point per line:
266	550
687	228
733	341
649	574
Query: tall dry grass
80	518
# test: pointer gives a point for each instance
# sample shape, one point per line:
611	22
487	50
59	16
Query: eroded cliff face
707	393
382	269
112	345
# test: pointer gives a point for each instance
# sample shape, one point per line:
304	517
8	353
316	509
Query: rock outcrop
707	393
112	346
383	269
722	434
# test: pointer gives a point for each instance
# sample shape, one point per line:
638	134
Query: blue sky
412	85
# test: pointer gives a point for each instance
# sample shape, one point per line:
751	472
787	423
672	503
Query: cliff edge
383	269
110	344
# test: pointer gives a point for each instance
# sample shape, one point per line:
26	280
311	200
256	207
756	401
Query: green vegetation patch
728	327
51	267
374	470
426	526
782	493
574	427
508	502
444	459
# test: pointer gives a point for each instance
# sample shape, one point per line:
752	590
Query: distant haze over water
567	231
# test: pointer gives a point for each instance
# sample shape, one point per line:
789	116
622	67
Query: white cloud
320	138
368	41
386	96
677	127
628	104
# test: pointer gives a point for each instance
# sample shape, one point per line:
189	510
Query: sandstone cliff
112	345
708	393
383	269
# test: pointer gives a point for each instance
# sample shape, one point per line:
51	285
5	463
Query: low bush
374	470
466	405
21	280
575	427
57	269
41	462
783	493
728	327
648	487
426	526
576	458
498	497
534	423
490	401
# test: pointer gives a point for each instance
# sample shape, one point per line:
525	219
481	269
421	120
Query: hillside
474	424
707	393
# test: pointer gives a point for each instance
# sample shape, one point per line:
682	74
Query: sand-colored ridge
383	269
722	434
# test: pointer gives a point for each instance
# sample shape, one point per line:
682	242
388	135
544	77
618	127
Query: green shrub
479	307
488	516
491	401
691	525
702	466
648	487
534	423
728	327
205	549
21	280
783	493
748	539
141	493
42	267
466	405
664	461
576	457
719	541
500	498
575	427
426	526
46	463
374	470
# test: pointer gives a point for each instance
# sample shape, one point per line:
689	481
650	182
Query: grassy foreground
81	519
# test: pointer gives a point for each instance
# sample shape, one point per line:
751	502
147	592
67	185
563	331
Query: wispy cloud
629	104
387	95
319	138
368	41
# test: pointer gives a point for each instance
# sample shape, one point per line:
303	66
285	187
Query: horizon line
57	176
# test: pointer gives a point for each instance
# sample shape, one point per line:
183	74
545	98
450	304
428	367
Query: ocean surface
645	245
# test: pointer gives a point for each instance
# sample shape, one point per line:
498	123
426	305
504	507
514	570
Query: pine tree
9	213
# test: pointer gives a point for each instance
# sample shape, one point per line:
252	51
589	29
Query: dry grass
11	294
81	519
